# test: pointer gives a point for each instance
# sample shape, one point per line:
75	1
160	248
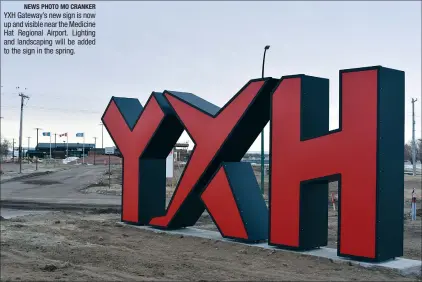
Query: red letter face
219	135
144	137
235	203
364	155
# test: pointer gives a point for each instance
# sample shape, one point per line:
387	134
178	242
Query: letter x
220	135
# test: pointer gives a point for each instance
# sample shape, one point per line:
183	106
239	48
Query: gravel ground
412	229
412	233
82	246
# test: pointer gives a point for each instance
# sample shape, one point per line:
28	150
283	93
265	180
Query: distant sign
109	150
169	165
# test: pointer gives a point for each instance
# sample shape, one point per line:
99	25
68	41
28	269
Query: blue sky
208	48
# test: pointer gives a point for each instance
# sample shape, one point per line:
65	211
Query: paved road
60	187
59	190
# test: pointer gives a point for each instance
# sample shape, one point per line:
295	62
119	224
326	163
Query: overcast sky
210	49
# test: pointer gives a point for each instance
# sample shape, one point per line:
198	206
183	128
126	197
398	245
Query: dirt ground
82	246
412	233
412	229
109	183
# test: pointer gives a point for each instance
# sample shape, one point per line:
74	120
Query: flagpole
50	145
67	144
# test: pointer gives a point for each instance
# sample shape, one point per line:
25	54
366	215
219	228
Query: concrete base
401	265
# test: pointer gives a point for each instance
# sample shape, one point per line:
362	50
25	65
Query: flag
46	134
80	134
64	134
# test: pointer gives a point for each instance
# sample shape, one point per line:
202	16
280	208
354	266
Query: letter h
365	156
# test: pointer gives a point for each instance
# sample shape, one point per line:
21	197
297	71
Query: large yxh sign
365	156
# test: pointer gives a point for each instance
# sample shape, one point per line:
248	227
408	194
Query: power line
7	94
57	109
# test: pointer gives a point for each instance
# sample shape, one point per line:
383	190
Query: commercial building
58	150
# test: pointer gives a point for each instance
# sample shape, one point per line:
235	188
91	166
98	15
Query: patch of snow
70	159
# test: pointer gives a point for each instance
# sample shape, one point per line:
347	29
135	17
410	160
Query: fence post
109	172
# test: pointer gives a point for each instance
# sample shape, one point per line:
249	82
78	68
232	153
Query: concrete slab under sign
401	265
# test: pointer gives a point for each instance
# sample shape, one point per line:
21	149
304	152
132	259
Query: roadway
61	188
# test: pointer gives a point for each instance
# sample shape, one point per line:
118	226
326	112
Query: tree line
4	147
408	151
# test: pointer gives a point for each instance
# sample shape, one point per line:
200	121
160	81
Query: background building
58	150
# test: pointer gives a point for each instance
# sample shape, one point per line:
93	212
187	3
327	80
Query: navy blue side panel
313	214
197	102
152	192
130	108
390	180
314	103
164	104
164	138
249	199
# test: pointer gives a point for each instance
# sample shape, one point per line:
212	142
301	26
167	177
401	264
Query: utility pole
413	137
67	144
23	97
55	143
27	154
36	157
95	148
102	135
13	150
7	151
